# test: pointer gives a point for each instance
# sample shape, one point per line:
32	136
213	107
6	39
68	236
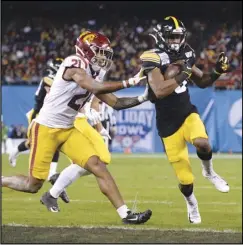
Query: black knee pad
205	155
55	157
186	190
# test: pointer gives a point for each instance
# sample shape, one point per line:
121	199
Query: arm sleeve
48	81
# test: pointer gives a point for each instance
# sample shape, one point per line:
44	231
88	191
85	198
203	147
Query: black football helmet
55	64
170	35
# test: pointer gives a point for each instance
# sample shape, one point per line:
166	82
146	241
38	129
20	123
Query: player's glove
92	115
186	71
222	64
144	97
104	132
133	81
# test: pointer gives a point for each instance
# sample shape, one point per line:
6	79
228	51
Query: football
172	70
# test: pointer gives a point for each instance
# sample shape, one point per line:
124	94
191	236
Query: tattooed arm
125	102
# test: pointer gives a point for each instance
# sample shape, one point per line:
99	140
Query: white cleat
13	157
194	216
219	183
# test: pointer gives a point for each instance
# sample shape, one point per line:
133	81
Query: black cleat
63	195
50	202
137	218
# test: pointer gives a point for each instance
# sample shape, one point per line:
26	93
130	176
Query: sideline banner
135	126
228	121
221	112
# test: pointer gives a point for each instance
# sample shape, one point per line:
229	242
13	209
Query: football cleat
50	202
13	157
219	183
63	195
137	218
193	213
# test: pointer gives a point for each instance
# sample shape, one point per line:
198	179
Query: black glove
222	64
186	71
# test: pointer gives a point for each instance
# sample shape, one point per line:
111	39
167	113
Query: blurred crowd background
30	41
42	30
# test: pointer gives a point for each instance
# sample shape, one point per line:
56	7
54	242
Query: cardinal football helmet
96	48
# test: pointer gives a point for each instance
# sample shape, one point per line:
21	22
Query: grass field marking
166	187
129	201
88	227
197	187
162	155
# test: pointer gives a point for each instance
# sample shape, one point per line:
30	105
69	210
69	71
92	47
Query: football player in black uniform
177	118
40	94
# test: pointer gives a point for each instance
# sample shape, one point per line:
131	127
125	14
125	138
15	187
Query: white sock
53	169
66	178
191	200
122	211
207	165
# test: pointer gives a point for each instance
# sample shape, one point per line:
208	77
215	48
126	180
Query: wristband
125	84
141	99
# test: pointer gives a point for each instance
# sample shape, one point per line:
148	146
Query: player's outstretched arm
124	102
87	82
204	80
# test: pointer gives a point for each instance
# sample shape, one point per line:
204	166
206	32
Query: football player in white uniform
54	129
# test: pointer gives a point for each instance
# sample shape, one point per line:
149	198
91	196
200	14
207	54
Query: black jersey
172	110
40	93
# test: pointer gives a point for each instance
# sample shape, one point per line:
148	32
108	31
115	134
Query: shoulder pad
75	61
151	56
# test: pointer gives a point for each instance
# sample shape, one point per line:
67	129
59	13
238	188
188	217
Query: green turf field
153	181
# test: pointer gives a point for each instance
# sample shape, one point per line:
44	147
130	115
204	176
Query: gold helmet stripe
174	19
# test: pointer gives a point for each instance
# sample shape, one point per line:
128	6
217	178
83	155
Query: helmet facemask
174	40
102	58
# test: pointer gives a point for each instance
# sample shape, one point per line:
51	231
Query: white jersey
65	98
99	78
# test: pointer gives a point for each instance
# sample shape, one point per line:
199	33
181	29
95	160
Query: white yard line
161	155
166	202
88	227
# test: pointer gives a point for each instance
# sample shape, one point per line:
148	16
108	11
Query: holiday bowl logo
235	117
134	130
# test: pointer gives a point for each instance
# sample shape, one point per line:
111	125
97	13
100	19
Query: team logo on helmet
89	37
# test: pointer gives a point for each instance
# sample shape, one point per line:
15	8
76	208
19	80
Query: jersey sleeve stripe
48	81
33	141
152	60
150	57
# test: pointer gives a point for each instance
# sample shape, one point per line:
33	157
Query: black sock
206	156
22	147
186	190
55	157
